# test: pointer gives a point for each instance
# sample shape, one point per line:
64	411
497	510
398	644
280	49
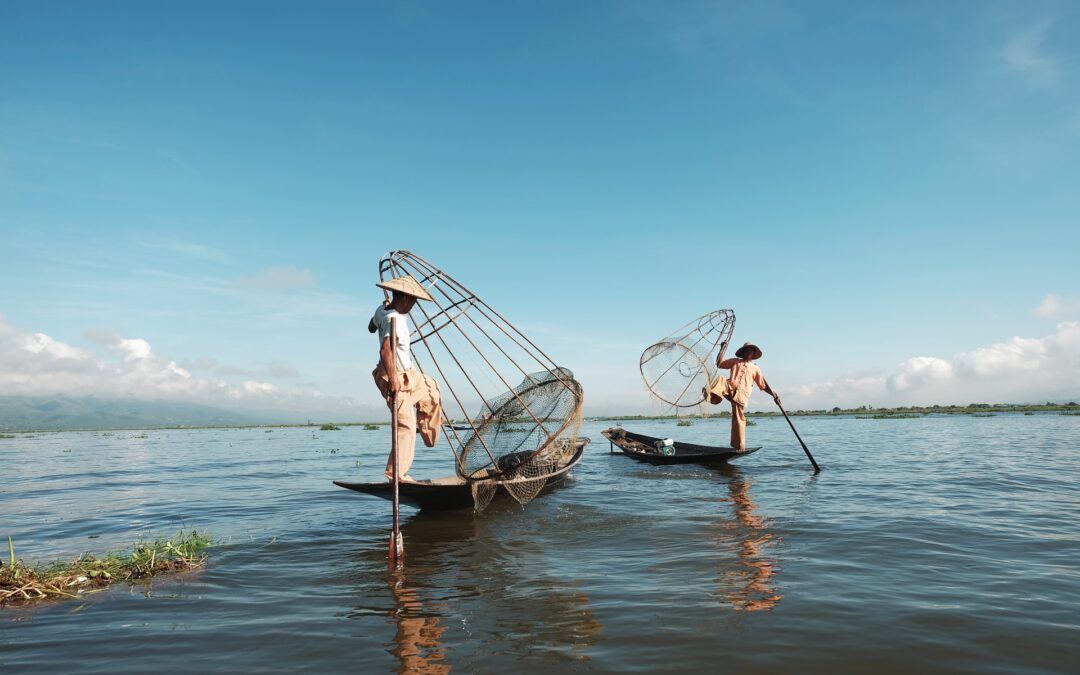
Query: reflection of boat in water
455	492
750	584
643	448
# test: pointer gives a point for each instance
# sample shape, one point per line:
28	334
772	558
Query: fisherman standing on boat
737	388
401	385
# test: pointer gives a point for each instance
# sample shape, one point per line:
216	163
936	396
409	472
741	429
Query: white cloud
1017	370
41	344
132	350
252	387
861	388
35	364
1023	54
1054	307
179	371
1018	354
919	371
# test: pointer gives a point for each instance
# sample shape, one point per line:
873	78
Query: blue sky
886	195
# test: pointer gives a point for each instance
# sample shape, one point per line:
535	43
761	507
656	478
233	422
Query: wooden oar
397	545
817	469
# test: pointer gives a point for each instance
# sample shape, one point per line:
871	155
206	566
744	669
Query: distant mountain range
58	413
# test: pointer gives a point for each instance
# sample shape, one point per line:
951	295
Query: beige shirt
744	374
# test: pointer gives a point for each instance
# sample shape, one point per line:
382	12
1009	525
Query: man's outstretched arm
759	380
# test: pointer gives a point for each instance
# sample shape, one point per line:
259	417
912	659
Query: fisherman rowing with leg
737	388
402	386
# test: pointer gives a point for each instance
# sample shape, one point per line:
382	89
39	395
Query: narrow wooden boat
643	448
452	492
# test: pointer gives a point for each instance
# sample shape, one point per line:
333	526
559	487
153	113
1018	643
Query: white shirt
384	315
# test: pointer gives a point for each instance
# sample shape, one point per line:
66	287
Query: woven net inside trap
523	437
677	368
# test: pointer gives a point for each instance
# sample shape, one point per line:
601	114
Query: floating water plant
329	427
683	423
20	582
894	416
371	427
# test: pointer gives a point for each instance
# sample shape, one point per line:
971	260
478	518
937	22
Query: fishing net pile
677	368
512	414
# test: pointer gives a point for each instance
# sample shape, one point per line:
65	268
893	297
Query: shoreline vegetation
22	583
870	412
863	412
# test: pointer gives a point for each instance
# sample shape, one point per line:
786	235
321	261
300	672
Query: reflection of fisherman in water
748	586
416	641
566	626
462	577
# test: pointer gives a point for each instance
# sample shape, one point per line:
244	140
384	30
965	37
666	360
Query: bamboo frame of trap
488	336
697	341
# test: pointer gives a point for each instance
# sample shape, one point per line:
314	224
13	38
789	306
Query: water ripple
938	544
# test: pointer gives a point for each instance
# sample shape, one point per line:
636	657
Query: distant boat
643	448
454	492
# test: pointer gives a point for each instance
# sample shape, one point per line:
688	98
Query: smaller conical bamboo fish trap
513	415
677	369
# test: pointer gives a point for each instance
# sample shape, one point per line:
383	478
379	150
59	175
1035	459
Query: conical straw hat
406	285
748	351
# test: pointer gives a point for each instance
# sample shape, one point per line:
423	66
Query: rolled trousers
738	426
418	403
405	432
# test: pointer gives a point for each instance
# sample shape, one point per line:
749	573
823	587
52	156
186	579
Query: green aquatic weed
88	573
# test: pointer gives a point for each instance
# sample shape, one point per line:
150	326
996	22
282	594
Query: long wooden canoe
450	492
643	448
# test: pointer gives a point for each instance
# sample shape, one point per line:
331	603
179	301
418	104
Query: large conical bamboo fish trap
677	368
512	414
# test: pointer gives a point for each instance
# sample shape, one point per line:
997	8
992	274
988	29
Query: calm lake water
933	544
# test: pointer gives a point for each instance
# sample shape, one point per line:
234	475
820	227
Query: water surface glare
932	544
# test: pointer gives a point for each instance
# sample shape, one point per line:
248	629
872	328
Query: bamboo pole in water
817	469
396	552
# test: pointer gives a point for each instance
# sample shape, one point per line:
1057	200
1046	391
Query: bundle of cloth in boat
419	407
